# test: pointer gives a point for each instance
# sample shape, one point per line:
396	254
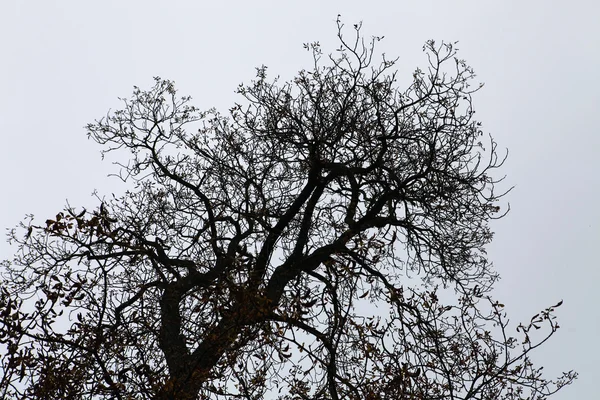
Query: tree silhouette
298	248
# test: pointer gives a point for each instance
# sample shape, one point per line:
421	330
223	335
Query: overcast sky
64	63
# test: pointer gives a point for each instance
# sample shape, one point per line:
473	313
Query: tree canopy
302	246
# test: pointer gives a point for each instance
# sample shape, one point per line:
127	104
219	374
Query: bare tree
299	248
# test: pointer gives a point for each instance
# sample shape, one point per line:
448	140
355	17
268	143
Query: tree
299	248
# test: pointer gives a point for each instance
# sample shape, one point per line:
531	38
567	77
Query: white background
63	64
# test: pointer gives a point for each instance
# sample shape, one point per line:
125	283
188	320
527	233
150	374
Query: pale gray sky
65	62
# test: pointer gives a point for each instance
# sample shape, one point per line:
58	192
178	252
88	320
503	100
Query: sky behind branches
64	63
